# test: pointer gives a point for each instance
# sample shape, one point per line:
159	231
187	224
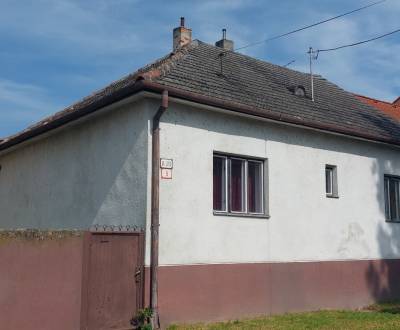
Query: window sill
332	196
393	221
242	215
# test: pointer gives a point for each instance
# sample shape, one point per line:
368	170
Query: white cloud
20	94
74	26
22	104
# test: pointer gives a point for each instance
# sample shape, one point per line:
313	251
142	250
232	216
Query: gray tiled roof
268	87
255	84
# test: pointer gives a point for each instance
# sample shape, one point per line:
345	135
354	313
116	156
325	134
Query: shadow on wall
382	276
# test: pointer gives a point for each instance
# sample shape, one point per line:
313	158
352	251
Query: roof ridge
148	72
163	65
387	103
155	69
374	99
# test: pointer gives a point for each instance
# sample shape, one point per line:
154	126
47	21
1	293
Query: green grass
382	316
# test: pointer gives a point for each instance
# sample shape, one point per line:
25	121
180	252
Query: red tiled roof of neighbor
391	109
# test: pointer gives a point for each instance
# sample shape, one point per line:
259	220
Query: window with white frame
238	185
331	185
392	207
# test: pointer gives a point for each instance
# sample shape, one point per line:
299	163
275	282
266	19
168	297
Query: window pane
393	199
237	185
254	187
386	184
219	184
397	199
328	180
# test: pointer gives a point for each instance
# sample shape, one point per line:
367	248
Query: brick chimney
225	43
181	35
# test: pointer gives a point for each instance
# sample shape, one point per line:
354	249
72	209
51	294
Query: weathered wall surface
92	172
40	282
304	225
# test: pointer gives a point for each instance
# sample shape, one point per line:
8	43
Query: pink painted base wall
40	284
231	291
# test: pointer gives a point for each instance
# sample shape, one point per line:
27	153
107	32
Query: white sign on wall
166	163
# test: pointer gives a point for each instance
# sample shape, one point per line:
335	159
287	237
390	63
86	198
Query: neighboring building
268	202
391	109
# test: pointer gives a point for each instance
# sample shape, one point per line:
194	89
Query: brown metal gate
114	281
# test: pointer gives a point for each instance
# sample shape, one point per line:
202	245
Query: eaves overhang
151	86
262	113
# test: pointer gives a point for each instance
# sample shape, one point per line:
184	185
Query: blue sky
54	52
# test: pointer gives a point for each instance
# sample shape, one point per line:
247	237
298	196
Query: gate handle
137	274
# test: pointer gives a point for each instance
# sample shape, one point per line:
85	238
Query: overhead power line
314	53
310	26
287	64
357	43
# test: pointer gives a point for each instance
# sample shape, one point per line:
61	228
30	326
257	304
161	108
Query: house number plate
166	173
166	163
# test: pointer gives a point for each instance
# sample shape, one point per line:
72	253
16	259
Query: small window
392	198
331	186
238	185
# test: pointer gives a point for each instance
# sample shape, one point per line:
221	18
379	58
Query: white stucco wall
91	172
97	171
304	225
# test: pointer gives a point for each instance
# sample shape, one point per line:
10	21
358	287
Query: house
391	109
207	185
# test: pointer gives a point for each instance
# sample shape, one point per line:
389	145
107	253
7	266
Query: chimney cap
182	21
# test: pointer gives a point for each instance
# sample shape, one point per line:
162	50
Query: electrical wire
311	25
358	43
287	64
